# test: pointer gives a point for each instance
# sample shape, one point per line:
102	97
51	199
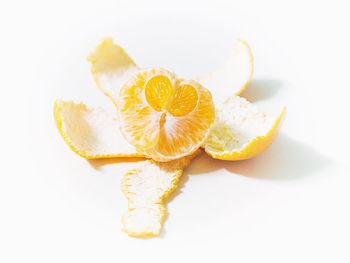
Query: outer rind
214	79
254	146
148	233
177	166
245	85
81	153
125	67
119	67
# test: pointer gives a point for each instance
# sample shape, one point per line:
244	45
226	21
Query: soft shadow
182	182
204	164
185	176
286	159
97	164
261	89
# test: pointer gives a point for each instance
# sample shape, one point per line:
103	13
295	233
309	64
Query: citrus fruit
165	118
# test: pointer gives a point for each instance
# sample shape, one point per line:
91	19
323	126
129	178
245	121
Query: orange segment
163	117
140	123
157	91
184	100
181	132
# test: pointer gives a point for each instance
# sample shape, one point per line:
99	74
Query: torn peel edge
151	232
57	109
111	63
245	85
152	211
233	76
259	143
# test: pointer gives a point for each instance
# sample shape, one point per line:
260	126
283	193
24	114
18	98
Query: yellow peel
111	67
234	76
146	189
241	131
91	133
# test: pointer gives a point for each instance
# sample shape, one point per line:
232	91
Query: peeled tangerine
165	118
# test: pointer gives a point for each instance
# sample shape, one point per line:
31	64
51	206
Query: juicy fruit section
163	117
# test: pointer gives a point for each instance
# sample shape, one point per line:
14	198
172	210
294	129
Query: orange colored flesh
158	91
164	117
184	100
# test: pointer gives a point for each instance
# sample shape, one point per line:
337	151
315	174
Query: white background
290	204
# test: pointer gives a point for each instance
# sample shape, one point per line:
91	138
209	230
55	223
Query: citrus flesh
91	133
165	118
241	131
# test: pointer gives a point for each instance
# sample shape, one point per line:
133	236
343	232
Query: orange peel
111	67
233	76
241	130
91	133
147	189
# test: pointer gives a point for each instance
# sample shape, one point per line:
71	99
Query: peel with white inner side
234	76
241	131
91	133
111	67
147	188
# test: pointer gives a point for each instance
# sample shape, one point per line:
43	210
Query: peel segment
232	77
241	131
91	133
147	189
111	67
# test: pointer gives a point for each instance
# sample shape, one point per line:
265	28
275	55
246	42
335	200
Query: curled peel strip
91	133
147	189
241	130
